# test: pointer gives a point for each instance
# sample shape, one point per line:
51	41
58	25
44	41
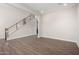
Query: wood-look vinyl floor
32	45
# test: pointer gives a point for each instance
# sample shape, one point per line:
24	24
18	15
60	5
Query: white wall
10	15
26	30
61	24
77	34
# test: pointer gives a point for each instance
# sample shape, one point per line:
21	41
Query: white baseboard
38	36
77	42
2	38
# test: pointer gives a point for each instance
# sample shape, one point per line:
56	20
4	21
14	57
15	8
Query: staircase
15	27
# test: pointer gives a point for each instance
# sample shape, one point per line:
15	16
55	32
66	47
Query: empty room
39	29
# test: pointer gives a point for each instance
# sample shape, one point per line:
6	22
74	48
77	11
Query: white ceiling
45	7
42	8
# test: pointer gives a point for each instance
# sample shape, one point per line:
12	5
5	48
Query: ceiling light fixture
65	4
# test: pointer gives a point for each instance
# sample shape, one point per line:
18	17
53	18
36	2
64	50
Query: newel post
6	34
